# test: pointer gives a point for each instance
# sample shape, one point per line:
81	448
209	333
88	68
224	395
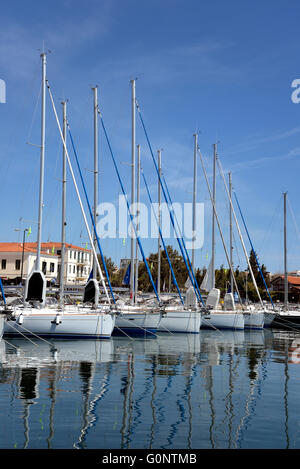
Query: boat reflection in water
216	389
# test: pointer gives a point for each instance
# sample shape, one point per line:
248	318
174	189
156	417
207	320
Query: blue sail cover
126	279
2	291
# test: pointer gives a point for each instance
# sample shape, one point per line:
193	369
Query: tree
110	266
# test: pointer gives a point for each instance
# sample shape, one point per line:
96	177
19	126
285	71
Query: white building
17	260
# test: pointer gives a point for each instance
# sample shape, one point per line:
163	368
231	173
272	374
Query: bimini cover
213	298
35	287
229	304
91	292
190	298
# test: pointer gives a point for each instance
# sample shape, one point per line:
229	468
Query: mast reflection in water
216	389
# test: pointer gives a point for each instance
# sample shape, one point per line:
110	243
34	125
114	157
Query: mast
194	199
285	255
230	231
219	227
63	224
79	198
138	215
213	243
96	172
240	236
132	188
42	162
159	224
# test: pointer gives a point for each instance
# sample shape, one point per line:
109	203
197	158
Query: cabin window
3	264
18	264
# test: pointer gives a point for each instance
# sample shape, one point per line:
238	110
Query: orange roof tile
31	247
292	280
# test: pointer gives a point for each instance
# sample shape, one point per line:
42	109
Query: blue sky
224	68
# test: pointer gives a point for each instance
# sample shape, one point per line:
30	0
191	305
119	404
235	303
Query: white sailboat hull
135	321
223	320
269	318
254	320
51	323
180	321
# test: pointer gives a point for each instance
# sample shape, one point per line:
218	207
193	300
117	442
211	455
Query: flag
29	231
85	245
123	241
52	251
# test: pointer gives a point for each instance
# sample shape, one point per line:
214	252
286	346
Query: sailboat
217	317
134	317
268	311
180	316
38	317
287	318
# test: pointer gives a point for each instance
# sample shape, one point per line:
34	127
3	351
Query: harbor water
212	390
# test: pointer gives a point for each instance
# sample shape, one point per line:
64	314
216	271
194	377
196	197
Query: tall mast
132	188
285	255
213	243
230	231
96	172
159	224
63	224
240	236
138	221
194	199
42	161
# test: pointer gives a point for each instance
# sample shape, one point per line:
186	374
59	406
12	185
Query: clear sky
223	68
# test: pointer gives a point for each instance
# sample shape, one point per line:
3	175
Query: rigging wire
92	218
128	208
79	198
168	201
162	239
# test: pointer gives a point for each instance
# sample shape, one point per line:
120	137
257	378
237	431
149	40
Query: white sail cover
190	298
229	304
206	284
213	298
188	283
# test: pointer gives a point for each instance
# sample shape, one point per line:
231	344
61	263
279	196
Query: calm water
213	390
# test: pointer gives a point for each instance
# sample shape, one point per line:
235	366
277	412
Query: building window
44	267
18	264
51	266
3	264
70	269
73	269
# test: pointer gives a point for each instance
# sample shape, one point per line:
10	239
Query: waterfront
213	390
